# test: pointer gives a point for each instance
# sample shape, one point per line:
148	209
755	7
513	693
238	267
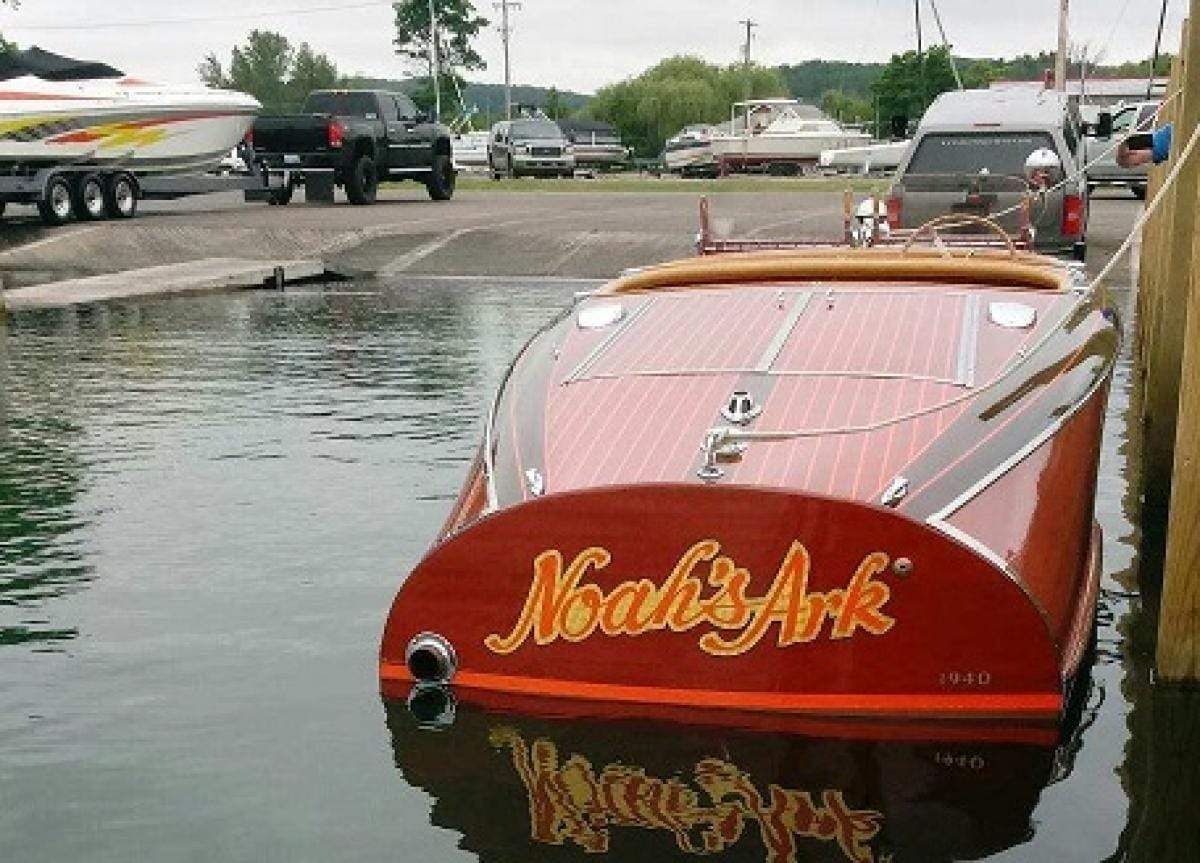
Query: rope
731	435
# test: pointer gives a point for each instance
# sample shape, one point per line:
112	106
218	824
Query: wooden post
1153	236
1173	289
1179	619
848	217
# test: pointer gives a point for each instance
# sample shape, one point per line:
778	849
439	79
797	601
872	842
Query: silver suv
971	155
529	148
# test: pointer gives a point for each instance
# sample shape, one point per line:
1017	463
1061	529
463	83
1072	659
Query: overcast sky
579	44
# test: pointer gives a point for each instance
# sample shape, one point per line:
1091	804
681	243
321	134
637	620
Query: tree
677	92
909	83
271	70
458	24
310	71
553	106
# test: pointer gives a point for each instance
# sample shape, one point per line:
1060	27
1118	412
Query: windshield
970	153
343	104
527	130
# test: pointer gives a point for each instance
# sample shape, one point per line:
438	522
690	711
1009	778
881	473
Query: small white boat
884	157
59	111
779	135
690	151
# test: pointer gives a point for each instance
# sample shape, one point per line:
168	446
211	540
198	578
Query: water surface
206	506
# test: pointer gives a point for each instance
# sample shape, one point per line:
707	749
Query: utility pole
917	13
505	31
1060	61
435	62
750	25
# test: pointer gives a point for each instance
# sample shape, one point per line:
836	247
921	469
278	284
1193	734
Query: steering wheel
956	219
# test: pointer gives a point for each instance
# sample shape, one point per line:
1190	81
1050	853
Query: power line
1162	19
205	19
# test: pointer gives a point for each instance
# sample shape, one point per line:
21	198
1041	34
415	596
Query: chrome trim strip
968	343
1020	455
996	560
881	376
776	345
600	349
974	544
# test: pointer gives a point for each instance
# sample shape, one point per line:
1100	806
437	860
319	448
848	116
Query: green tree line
656	104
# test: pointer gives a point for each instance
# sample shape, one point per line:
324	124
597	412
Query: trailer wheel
441	180
363	182
87	198
121	196
54	206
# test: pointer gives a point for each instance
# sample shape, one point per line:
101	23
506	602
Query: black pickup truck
354	139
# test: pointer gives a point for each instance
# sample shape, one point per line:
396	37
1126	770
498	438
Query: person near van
1143	149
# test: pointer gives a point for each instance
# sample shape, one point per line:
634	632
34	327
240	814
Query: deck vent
1014	316
601	315
741	408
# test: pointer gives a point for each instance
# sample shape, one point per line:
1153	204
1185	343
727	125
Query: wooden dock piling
1169	360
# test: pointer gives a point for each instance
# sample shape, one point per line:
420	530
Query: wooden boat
855	482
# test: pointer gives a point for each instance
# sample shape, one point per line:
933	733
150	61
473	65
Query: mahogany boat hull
902	527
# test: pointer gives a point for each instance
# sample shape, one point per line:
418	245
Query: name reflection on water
570	801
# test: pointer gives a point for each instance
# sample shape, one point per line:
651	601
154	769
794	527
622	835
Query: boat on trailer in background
784	478
82	139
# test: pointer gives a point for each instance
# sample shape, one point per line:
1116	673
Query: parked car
1106	171
597	145
529	147
354	139
970	155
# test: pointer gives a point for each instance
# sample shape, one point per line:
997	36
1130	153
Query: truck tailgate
295	133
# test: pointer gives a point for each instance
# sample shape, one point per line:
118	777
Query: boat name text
560	605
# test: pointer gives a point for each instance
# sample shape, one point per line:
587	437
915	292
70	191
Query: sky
580	44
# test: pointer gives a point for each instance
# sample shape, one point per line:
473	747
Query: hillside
487	98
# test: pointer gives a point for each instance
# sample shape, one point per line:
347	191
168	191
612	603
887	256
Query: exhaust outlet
431	658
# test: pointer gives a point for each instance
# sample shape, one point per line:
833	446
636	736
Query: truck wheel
54	206
121	197
1139	191
441	182
87	198
363	181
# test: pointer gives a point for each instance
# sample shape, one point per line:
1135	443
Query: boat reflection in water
524	787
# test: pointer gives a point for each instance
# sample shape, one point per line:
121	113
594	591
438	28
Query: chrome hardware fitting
535	482
895	492
741	408
902	566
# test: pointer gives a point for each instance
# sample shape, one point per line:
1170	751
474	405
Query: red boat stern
741	598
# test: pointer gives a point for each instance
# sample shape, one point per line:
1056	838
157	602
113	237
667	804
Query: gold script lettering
559	605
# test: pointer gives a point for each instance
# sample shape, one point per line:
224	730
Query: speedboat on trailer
808	480
59	114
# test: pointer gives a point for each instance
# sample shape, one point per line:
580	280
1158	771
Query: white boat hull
120	123
874	157
766	148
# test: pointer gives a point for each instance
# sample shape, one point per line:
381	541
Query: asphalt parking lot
575	230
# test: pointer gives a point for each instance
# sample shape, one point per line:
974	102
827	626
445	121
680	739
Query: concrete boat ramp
208	274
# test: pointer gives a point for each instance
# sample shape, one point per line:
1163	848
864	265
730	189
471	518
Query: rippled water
205	508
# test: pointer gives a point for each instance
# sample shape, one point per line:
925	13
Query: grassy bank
647	184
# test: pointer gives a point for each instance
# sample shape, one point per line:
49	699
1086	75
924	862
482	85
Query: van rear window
969	153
